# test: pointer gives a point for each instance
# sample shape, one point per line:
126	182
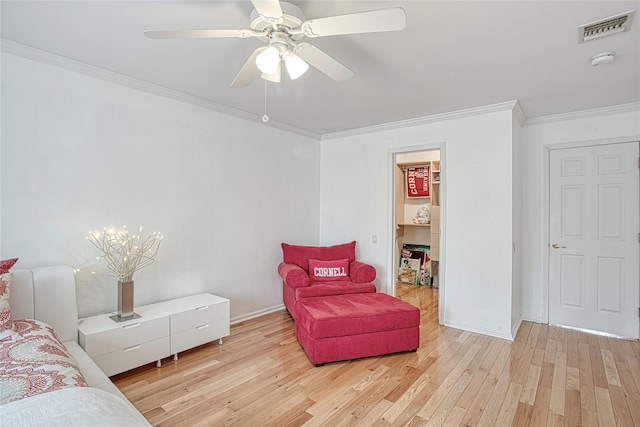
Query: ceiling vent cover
605	27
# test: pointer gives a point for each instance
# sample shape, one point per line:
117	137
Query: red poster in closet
417	182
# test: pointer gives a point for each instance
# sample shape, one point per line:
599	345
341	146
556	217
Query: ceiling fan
282	25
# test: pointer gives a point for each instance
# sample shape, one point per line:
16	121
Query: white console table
164	329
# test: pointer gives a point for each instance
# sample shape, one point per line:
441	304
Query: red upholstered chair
316	271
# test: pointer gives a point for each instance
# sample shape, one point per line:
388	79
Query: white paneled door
593	236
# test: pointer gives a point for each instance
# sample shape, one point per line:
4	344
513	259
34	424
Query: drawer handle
135	325
204	307
133	347
202	327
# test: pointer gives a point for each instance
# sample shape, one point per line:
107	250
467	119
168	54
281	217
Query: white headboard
47	294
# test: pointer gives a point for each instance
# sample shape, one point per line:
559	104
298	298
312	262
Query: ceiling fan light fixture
295	65
274	77
269	60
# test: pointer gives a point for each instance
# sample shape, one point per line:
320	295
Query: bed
45	376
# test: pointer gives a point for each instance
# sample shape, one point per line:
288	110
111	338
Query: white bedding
39	376
72	406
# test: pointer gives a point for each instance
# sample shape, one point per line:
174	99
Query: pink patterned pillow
5	282
6	265
324	271
34	361
6	325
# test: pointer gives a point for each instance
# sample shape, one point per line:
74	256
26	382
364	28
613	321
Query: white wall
79	153
477	202
621	121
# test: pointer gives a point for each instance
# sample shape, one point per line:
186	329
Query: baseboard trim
470	328
516	326
532	318
253	315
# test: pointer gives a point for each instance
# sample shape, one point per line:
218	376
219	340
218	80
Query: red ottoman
344	327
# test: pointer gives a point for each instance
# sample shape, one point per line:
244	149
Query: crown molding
27	52
519	114
585	114
469	112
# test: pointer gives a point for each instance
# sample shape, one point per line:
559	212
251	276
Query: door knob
557	246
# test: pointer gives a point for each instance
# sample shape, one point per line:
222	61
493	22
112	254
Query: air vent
605	27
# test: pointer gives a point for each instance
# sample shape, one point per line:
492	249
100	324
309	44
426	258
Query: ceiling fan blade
202	34
249	70
322	62
269	9
393	19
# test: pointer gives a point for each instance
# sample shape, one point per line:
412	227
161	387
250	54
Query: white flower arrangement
125	254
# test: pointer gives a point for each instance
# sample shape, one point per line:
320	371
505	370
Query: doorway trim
391	226
546	242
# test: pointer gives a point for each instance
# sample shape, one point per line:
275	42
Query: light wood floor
261	376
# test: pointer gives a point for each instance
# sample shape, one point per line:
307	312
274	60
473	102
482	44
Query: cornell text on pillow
320	270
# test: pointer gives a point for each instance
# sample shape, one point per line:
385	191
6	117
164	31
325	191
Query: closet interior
417	216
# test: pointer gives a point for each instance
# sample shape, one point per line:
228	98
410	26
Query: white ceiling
453	55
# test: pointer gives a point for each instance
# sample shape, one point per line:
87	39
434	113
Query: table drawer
133	333
133	356
199	335
207	313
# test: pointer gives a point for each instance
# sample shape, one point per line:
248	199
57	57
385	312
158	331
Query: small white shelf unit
165	328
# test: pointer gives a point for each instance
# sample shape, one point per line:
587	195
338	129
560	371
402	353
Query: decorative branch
125	254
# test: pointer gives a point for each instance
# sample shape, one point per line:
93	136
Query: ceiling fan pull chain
265	118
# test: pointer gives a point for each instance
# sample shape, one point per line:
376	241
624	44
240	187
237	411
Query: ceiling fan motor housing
292	18
280	40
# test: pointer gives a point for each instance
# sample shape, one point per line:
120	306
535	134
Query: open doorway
417	235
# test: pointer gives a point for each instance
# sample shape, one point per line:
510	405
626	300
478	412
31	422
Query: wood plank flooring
260	376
